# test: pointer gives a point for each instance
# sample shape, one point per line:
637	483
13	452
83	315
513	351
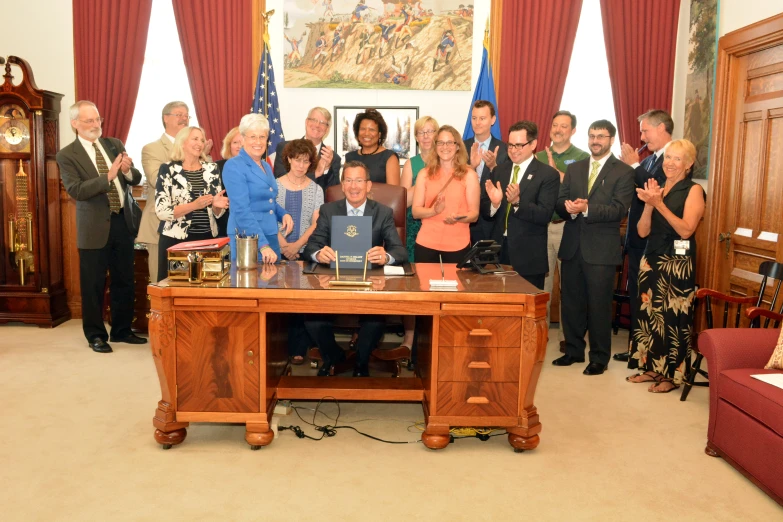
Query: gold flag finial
266	16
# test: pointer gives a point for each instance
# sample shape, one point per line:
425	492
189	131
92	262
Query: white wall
735	14
447	107
47	45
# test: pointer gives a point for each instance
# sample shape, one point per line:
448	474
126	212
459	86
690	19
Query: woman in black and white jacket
189	196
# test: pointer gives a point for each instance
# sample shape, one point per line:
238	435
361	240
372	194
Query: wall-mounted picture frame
399	120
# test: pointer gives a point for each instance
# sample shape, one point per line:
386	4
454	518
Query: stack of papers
775	379
443	284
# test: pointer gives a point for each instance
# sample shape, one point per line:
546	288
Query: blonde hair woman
189	196
663	326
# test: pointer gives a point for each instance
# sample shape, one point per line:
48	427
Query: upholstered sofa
746	414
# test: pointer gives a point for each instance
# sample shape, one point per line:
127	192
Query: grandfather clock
32	289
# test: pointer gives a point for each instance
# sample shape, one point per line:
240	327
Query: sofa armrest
728	348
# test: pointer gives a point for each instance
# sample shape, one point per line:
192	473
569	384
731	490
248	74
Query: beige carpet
77	444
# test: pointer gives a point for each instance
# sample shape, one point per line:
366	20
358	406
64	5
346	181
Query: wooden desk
221	350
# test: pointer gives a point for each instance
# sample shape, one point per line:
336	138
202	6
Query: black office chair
768	270
621	298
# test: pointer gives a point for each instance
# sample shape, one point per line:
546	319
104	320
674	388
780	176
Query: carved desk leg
436	436
168	431
534	337
258	434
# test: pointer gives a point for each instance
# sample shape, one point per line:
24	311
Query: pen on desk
442	273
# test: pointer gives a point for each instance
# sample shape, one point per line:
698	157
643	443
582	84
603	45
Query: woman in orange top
446	199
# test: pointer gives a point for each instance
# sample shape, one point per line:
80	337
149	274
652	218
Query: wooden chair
395	197
621	297
767	270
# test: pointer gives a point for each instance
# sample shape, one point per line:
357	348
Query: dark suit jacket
641	175
527	227
596	236
384	232
482	227
82	182
329	178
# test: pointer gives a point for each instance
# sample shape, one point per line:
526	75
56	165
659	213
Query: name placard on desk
351	239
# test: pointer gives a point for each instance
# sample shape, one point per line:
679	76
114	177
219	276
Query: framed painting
399	120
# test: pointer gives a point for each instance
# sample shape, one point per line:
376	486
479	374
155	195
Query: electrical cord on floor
462	432
331	430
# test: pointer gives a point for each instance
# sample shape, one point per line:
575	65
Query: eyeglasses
301	161
519	146
254	137
180	115
600	137
318	122
92	121
357	181
425	133
445	143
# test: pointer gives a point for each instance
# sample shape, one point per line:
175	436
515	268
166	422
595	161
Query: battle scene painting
378	44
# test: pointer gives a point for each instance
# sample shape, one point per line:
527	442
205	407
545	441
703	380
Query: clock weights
32	286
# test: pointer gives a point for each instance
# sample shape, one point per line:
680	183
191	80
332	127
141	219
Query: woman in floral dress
663	329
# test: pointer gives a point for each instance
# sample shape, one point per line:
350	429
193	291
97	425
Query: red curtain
216	40
538	37
109	40
641	39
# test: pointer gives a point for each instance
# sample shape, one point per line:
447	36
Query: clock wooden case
32	286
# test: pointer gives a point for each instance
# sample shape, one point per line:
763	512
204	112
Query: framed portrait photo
399	120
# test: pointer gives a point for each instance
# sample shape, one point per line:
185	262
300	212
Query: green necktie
513	181
593	175
103	169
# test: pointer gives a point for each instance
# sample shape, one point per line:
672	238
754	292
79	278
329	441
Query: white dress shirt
601	163
91	153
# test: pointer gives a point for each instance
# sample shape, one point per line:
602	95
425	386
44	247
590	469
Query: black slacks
536	280
423	254
321	331
586	306
117	257
634	259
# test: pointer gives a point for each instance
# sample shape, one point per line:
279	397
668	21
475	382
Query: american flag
265	99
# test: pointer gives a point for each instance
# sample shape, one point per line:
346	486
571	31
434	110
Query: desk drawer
477	398
468	363
470	330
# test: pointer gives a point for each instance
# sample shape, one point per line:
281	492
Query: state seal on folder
351	239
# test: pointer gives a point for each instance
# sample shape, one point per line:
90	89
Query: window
588	91
163	79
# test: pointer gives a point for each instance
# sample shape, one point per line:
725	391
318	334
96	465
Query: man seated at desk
386	249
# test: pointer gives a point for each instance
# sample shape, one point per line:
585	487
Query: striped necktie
356	212
593	176
103	169
513	181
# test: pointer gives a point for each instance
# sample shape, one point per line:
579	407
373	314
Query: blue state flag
485	90
265	100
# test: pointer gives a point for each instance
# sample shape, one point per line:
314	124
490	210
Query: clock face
14	129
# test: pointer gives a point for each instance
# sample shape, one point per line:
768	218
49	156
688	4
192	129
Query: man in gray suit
594	197
175	116
97	172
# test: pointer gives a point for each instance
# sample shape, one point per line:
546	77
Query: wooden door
218	362
745	205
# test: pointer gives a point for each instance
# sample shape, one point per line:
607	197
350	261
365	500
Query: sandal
651	377
661	388
297	360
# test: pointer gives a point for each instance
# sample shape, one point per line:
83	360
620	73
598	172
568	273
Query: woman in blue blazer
251	183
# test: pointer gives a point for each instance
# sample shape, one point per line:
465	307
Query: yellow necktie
513	181
593	175
114	196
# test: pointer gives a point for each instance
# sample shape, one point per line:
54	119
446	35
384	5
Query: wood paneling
746	174
480	331
464	363
477	398
218	362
